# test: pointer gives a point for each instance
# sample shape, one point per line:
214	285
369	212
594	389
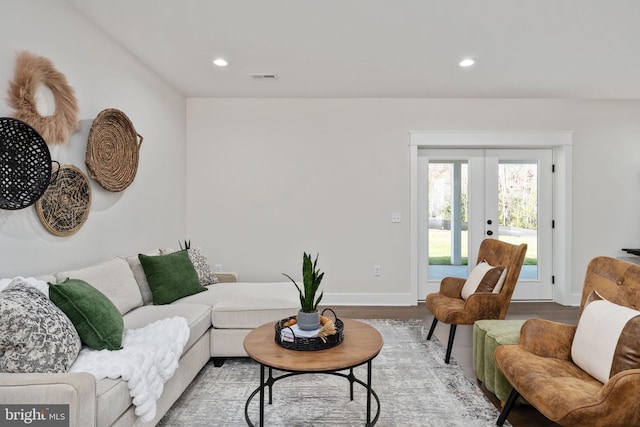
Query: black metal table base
350	377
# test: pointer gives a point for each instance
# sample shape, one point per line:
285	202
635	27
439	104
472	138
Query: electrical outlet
218	268
396	217
376	270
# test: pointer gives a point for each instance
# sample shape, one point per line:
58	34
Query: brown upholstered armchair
449	307
541	369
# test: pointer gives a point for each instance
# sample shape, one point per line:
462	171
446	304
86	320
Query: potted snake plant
308	315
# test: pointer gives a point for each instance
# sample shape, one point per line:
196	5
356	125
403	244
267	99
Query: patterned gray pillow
35	335
200	263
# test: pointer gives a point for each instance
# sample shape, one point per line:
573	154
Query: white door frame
560	142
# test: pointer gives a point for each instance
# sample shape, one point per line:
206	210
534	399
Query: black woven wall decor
25	164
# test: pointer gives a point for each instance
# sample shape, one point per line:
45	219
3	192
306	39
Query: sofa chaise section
238	308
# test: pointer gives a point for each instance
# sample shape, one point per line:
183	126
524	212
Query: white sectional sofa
218	320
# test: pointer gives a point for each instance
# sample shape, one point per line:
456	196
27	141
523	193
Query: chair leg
452	334
432	328
511	400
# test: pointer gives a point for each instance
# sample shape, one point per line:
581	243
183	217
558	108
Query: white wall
267	179
148	214
270	178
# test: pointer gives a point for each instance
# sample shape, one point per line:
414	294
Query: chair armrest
78	390
621	386
452	287
547	339
227	276
484	305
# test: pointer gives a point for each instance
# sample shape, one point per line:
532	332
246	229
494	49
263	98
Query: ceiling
570	49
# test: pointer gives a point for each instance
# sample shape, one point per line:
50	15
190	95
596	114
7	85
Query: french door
467	195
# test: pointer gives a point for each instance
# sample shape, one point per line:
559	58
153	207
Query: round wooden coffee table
361	344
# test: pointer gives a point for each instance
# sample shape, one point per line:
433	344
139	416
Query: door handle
489	233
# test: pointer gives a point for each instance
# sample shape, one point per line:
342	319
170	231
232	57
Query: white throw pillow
477	276
500	283
606	341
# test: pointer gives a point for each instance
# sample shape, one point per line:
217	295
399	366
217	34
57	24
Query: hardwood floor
520	416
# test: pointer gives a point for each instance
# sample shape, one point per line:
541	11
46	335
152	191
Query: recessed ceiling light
220	62
467	62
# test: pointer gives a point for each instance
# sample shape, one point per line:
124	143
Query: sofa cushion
35	336
95	317
114	279
606	339
141	278
247	305
483	278
170	276
112	400
200	263
197	315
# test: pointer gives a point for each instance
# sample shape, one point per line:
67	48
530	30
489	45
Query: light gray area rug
415	387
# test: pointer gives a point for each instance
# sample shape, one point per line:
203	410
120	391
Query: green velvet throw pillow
97	320
171	276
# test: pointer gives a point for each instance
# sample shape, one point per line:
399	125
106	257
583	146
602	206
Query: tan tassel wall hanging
32	71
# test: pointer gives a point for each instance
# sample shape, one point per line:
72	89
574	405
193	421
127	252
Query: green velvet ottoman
487	335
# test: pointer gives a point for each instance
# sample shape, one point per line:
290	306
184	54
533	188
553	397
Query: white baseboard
571	300
389	299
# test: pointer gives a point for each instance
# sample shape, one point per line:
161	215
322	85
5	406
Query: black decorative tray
309	343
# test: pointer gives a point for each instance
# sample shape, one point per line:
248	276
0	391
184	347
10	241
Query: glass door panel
446	181
448	227
518	210
523	211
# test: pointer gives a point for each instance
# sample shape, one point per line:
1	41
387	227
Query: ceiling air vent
264	76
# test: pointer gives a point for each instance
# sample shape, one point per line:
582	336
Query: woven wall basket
112	150
25	164
64	207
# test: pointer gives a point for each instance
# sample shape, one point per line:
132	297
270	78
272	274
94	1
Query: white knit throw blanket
149	357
